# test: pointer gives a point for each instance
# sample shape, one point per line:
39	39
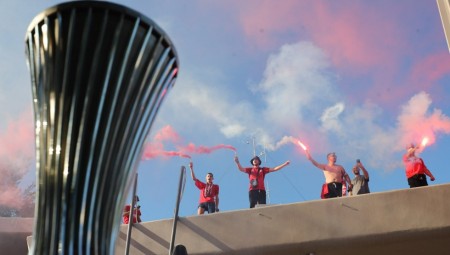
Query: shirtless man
334	174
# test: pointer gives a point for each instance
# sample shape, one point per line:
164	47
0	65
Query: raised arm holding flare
209	193
334	175
416	169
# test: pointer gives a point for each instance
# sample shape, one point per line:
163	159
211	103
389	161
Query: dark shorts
209	207
417	180
257	196
334	190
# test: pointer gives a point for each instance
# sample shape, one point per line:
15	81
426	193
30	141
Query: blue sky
359	78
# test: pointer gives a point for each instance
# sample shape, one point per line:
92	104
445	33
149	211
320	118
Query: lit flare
424	141
302	145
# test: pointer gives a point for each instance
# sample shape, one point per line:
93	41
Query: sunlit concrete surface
409	221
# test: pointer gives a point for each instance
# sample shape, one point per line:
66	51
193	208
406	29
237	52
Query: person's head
136	200
331	157
255	161
411	149
355	170
209	177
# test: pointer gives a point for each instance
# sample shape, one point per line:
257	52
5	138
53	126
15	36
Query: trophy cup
99	73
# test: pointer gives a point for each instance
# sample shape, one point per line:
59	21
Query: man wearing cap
335	176
256	175
416	170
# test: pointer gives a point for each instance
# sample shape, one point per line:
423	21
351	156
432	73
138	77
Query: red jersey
414	165
207	191
126	213
258	174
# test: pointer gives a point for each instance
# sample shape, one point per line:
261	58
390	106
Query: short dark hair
255	157
331	154
210	174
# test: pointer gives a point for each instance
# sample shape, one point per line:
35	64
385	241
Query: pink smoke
16	158
167	133
417	122
192	148
156	148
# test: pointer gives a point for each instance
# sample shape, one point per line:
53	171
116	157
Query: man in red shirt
136	212
256	175
416	169
209	193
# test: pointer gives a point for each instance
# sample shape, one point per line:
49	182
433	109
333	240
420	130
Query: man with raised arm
256	175
415	168
209	193
334	174
360	182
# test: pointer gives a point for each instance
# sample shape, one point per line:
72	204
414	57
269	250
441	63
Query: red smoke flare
191	148
424	141
302	145
156	148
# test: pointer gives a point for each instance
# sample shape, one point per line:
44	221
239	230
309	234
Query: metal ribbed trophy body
99	72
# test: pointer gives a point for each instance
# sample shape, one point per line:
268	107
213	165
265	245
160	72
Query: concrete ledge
410	221
13	235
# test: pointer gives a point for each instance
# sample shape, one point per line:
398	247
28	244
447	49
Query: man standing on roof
136	212
360	182
256	175
209	193
416	170
334	174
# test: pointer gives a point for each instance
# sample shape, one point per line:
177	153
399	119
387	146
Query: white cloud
296	80
329	118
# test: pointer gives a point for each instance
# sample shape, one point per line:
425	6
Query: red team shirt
257	173
207	191
126	217
414	165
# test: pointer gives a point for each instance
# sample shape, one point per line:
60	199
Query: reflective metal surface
99	72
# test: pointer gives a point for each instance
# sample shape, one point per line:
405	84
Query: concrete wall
410	221
13	235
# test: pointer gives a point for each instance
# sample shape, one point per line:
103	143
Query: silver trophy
99	72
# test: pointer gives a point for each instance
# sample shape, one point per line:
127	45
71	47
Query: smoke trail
156	148
416	122
192	148
167	133
16	158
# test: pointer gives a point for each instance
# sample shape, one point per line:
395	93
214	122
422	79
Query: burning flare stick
424	141
302	145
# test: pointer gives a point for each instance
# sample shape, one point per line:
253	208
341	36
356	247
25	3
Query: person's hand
236	159
287	162
432	179
191	165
